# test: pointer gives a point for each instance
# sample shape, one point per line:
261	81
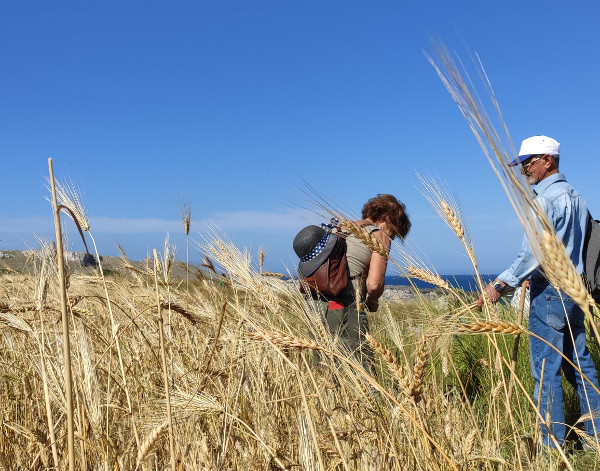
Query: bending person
383	217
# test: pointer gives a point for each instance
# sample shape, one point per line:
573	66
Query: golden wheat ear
360	233
261	258
427	276
67	196
495	327
449	211
397	370
186	217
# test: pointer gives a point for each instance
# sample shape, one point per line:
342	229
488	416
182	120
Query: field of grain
233	384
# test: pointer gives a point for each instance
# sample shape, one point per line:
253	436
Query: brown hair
389	209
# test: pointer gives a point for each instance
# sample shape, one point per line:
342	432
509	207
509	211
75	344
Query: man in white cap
553	316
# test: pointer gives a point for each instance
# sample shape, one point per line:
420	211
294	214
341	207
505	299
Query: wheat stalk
495	327
448	209
285	340
546	247
186	217
89	386
416	386
68	376
366	393
117	341
42	291
15	322
261	258
307	451
469	443
592	442
179	310
452	219
68	196
70	201
427	276
209	264
272	274
396	369
362	234
163	356
148	444
498	389
562	273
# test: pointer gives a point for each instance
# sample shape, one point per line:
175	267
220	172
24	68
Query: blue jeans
559	320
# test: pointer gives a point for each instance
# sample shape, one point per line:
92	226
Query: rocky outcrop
407	293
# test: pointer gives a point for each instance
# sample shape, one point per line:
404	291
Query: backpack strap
370	228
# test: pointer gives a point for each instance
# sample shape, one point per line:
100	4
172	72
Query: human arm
493	292
523	266
375	282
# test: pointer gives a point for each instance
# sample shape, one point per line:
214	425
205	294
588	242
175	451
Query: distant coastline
19	260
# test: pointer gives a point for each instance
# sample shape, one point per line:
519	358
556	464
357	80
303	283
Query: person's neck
549	174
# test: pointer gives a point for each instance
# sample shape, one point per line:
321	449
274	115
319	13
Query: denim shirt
569	215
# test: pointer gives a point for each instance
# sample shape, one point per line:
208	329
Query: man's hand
493	295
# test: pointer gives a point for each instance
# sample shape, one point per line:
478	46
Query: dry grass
186	219
245	393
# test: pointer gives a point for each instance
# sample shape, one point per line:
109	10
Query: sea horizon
464	282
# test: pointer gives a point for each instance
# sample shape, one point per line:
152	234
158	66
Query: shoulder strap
370	228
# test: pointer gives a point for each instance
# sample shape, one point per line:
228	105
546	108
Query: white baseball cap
536	145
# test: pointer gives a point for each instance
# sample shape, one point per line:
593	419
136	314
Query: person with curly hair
383	217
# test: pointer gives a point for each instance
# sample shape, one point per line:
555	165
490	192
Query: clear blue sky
230	104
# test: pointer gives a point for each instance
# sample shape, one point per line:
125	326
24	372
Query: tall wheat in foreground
546	246
245	391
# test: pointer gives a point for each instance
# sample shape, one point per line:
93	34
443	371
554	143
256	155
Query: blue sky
230	105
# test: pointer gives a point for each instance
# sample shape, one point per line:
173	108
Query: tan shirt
358	254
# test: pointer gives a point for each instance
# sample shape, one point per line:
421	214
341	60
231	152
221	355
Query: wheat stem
149	442
295	342
65	325
164	365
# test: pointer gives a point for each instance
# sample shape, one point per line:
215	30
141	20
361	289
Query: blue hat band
317	250
519	160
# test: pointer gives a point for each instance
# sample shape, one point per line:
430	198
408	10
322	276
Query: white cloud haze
255	221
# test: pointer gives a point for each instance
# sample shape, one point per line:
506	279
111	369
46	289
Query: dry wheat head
495	327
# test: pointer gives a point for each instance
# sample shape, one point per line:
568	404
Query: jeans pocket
556	311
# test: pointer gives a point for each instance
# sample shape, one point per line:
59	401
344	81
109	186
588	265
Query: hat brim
520	159
308	268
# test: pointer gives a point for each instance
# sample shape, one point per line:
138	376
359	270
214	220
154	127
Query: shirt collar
546	182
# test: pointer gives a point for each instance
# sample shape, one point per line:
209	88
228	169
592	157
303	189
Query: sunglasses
525	167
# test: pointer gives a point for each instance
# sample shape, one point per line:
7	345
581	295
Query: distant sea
464	282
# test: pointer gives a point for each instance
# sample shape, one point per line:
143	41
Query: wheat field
242	385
